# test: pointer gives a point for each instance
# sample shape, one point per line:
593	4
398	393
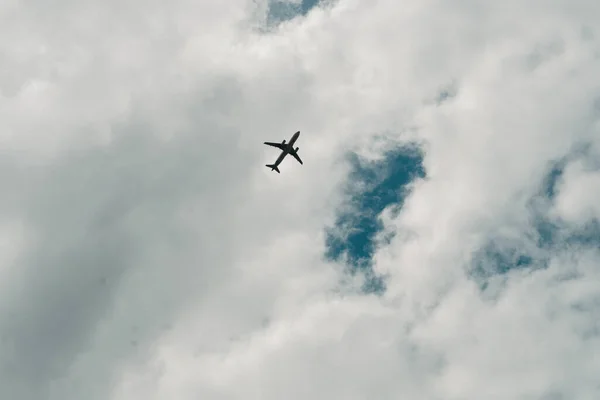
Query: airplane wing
278	145
297	157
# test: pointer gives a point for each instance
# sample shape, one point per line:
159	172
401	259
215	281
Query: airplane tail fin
273	167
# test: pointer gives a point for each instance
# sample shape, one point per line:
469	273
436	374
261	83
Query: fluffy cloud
148	253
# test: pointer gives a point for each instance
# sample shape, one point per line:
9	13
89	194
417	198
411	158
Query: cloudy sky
441	240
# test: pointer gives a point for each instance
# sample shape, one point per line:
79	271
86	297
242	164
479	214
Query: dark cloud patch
549	186
556	169
447	93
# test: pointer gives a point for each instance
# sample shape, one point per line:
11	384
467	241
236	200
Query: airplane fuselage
281	157
286	148
289	148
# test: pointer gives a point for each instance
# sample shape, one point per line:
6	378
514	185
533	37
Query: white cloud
148	253
577	199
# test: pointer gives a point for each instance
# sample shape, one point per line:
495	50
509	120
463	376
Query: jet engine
283	141
297	148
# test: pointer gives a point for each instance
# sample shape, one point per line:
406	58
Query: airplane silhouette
285	150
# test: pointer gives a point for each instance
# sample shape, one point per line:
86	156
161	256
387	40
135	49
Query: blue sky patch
549	236
280	11
372	186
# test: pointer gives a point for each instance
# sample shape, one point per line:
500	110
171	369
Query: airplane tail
273	167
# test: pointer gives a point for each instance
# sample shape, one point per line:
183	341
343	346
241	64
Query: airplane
285	150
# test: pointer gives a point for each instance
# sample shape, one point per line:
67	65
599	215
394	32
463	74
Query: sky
440	242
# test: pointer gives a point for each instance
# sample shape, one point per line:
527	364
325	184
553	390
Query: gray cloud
147	252
113	222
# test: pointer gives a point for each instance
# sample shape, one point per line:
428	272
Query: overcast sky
146	252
